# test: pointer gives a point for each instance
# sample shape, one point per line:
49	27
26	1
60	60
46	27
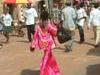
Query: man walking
30	16
95	22
68	17
81	16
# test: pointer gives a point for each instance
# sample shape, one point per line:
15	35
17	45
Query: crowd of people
42	32
76	17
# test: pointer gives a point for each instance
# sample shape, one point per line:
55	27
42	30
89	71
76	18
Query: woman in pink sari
43	40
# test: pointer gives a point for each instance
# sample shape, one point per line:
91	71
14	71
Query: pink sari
43	40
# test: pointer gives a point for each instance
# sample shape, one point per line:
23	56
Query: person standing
68	19
56	18
56	14
94	21
21	20
81	16
7	21
30	17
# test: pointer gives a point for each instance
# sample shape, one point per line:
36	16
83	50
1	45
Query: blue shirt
68	17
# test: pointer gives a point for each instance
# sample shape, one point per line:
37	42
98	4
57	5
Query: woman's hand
32	49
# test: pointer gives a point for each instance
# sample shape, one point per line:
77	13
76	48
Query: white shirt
30	15
7	19
80	14
94	18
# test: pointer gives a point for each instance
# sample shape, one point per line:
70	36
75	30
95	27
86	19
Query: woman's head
43	23
44	15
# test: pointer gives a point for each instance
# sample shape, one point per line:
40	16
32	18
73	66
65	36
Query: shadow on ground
30	72
95	51
93	69
87	43
23	41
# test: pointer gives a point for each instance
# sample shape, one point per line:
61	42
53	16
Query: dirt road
16	59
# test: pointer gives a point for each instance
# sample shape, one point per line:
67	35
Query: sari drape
43	40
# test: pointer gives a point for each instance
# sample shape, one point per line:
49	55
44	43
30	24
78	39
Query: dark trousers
30	30
81	33
70	44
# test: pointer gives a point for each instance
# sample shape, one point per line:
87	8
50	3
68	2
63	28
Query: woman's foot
32	49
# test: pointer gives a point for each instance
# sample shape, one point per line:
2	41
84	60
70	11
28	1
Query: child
7	20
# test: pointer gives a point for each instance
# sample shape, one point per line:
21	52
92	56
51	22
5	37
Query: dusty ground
16	59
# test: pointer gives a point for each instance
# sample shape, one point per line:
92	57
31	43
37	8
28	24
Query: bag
63	35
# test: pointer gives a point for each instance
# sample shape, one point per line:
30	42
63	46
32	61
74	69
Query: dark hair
44	15
28	5
96	5
68	3
81	5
